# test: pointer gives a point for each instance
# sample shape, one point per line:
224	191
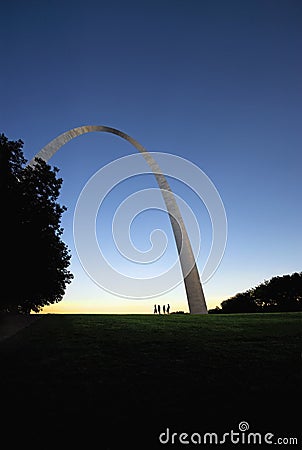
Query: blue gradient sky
216	82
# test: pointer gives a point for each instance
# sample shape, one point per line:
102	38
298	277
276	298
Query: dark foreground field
123	379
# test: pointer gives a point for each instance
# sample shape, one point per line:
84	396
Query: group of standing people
166	309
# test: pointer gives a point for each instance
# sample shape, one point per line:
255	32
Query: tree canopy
281	293
35	260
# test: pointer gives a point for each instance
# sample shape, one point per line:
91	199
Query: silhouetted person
158	309
164	309
155	309
168	308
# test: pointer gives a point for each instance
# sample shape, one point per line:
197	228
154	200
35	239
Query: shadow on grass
123	379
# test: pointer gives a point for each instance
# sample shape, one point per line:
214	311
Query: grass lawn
123	379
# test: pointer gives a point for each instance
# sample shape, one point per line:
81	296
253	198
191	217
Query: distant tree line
282	293
34	259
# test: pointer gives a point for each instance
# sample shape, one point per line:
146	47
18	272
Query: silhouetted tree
35	261
242	302
215	310
277	294
280	293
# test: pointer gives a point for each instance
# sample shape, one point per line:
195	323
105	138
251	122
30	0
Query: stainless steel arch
194	291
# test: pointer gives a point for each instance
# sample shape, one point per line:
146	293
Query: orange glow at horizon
122	306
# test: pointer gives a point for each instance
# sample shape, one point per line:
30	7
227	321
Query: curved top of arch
53	146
